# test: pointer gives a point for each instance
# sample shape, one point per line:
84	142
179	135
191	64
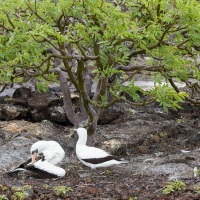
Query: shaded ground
147	137
116	185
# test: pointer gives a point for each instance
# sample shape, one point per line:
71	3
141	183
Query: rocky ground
160	147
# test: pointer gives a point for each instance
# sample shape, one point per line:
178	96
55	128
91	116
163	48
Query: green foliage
103	100
17	193
107	172
20	195
3	197
62	191
175	185
108	37
46	186
180	120
109	71
130	88
197	188
133	198
168	97
3	187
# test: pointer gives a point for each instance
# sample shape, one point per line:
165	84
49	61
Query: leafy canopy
104	37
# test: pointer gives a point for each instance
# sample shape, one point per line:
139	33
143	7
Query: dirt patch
151	140
113	184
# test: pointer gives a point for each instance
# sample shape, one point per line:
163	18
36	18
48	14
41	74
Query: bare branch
158	9
87	88
140	51
118	98
144	103
139	67
179	29
9	20
182	43
68	106
3	87
92	116
157	58
35	12
71	75
164	33
97	53
186	49
6	28
196	102
86	57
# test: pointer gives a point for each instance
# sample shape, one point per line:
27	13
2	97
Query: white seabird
91	156
44	156
51	150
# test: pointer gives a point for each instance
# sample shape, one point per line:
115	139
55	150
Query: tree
82	42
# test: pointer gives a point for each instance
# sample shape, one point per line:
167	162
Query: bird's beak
33	157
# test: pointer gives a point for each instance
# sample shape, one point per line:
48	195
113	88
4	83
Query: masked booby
91	156
44	156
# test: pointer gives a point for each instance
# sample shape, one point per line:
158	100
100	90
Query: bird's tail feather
16	170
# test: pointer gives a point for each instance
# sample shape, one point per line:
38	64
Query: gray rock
41	100
57	114
35	106
114	146
113	113
10	112
14	152
37	115
172	170
18	136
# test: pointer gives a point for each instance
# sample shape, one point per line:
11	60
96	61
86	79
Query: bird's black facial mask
41	156
34	155
35	151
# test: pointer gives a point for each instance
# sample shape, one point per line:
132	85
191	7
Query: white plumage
51	150
91	156
46	167
44	156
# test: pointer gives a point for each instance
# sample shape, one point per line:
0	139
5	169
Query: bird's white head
39	146
82	134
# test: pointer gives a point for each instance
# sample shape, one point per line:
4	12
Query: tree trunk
92	133
85	118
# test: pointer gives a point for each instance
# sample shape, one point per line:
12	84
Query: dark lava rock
35	106
57	114
38	114
10	112
22	92
113	113
41	100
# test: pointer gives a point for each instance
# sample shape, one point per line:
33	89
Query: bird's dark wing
23	166
101	160
41	173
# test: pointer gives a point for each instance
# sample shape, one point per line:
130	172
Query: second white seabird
91	156
44	156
